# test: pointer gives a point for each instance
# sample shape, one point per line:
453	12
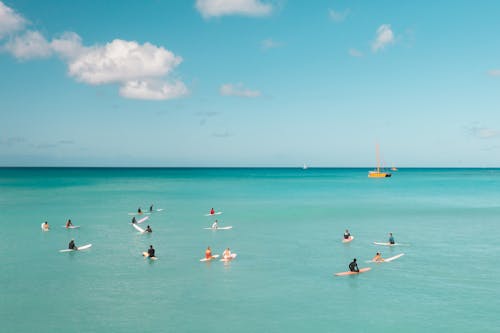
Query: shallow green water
287	228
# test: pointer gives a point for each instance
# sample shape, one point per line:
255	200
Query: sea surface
287	230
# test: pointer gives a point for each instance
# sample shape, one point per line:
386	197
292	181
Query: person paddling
148	229
378	257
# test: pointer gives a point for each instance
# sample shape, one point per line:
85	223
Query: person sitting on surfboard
353	266
69	223
46	226
139	211
347	234
208	253
212	211
134	220
151	208
378	257
148	229
151	252
227	254
215	225
391	239
72	245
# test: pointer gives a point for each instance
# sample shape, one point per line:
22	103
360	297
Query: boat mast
378	158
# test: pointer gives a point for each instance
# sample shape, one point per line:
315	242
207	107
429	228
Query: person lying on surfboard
391	239
212	211
69	223
215	225
148	229
378	257
347	234
72	245
353	266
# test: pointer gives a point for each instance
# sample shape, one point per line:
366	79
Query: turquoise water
287	227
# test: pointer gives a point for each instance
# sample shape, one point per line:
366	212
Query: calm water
287	227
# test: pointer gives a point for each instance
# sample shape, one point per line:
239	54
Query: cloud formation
239	90
384	37
217	8
355	53
29	46
269	43
10	21
494	72
337	16
483	132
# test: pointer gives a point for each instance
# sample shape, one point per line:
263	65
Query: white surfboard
71	227
388	259
138	228
215	256
78	248
216	213
389	244
146	256
233	255
220	228
143	219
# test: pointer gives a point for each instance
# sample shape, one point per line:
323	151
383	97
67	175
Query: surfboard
142	220
388	259
79	248
233	255
387	244
220	228
43	229
362	270
146	256
71	227
216	213
215	256
138	228
348	239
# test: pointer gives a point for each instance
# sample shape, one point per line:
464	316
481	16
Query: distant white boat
304	167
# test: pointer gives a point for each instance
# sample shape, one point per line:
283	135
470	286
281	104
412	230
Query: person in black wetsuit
347	234
134	220
353	266
151	208
72	245
148	229
139	211
151	252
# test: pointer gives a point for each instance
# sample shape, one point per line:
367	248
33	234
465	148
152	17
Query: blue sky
249	83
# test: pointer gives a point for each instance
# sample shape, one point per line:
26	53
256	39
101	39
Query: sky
249	83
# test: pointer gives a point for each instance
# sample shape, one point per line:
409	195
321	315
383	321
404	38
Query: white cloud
216	8
10	21
384	37
270	44
338	16
153	90
494	72
484	132
28	46
68	46
355	53
121	61
238	90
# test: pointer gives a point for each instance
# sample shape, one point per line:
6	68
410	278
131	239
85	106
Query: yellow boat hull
376	174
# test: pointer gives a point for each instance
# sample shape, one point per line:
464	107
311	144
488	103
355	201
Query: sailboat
377	173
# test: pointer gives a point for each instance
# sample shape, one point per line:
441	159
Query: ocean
287	229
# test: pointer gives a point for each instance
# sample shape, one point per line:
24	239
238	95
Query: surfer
148	229
212	211
72	245
139	211
227	254
151	252
208	253
69	223
378	257
353	266
151	208
391	239
134	220
215	225
46	226
347	234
